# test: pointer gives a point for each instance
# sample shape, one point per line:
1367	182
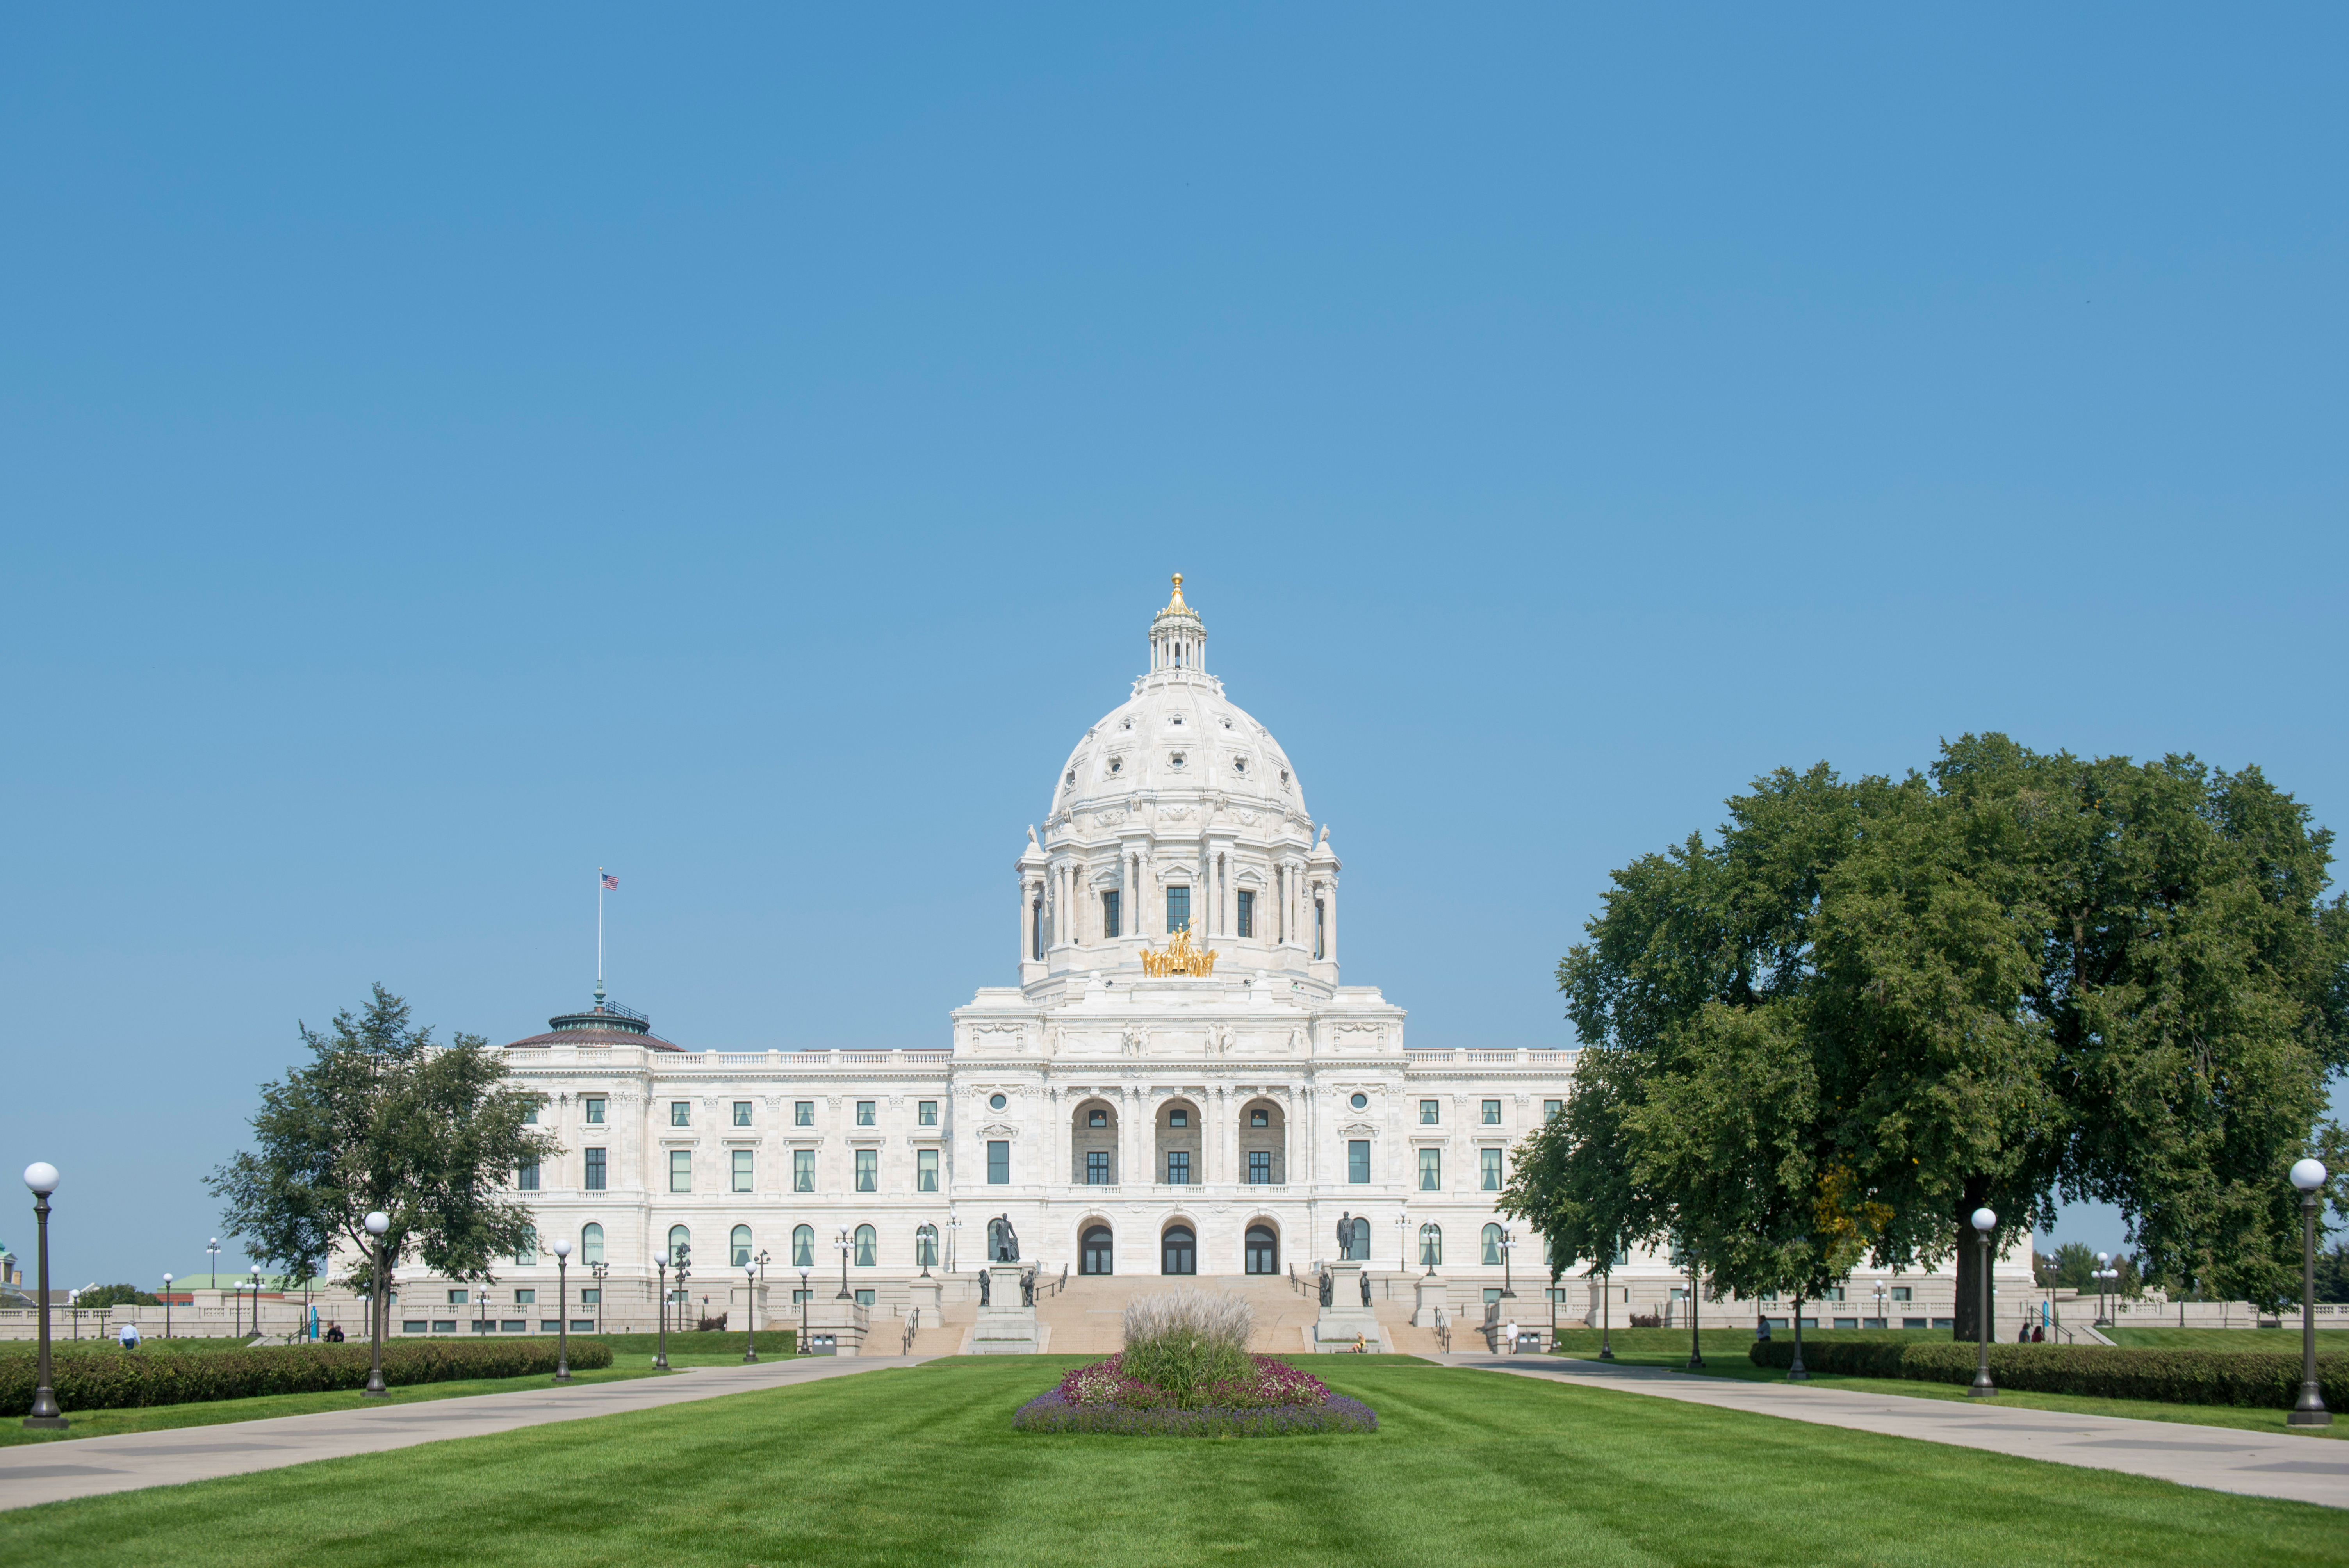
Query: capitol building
1176	1082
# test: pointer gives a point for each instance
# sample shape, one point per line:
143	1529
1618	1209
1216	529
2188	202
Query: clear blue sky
447	450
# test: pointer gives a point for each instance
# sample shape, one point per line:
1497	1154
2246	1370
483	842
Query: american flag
610	880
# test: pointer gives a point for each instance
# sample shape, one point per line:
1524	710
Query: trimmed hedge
1053	1412
121	1378
2255	1377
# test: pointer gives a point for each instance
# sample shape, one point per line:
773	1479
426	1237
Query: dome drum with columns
1219	1108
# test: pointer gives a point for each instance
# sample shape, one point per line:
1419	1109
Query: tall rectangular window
1247	913
1358	1162
681	1170
1110	927
802	1113
1431	1112
594	1104
1260	1167
925	1112
742	1170
1317	930
866	1112
526	1178
741	1113
1489	1162
802	1170
595	1171
998	1164
1097	1168
1178	1167
1492	1113
1431	1171
868	1170
925	1170
1178	909
680	1113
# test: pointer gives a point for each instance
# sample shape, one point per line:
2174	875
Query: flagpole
599	936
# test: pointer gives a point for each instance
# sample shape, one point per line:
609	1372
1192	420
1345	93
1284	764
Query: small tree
383	1118
116	1295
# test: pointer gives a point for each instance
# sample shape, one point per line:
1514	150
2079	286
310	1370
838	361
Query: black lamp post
377	1223
1509	1245
843	1244
2308	1175
42	1178
562	1310
1797	1372
599	1269
1696	1287
1606	1315
167	1306
256	1301
750	1315
1984	1222
804	1293
660	1271
2104	1318
212	1247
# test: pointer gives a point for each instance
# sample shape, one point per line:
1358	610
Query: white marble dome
1178	735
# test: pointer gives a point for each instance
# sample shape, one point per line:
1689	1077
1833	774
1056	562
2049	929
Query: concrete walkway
86	1466
2263	1464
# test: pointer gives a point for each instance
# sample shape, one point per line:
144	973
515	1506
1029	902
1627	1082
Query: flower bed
1272	1400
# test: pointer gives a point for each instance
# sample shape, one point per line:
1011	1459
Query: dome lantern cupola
1178	639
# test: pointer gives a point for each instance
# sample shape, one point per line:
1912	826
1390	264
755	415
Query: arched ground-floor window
867	1243
1096	1251
680	1245
590	1243
1178	1251
926	1247
1493	1245
1263	1250
737	1245
803	1246
1430	1246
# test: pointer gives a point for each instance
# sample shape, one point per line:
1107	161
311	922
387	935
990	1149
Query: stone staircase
1087	1317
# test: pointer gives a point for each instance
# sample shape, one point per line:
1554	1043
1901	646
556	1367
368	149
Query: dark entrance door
1263	1251
1178	1251
1095	1258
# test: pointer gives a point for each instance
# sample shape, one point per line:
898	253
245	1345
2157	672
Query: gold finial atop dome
1177	602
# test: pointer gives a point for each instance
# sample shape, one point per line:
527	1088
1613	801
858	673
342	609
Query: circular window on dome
1240	764
995	1102
1284	776
1176	721
1072	775
1174	759
1359	1101
1127	725
1117	763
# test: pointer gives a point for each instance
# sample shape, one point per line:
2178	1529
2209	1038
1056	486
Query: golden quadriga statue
1179	957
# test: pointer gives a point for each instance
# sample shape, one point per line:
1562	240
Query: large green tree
1870	1006
382	1118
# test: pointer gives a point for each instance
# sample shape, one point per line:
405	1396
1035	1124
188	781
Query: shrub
2255	1377
94	1381
1262	1385
1646	1320
1051	1412
1184	1342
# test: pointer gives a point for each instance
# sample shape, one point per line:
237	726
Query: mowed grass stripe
920	1467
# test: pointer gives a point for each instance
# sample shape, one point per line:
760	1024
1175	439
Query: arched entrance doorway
1096	1254
1178	1251
1263	1250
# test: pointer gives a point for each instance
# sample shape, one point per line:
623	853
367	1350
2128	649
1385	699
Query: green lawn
919	1467
2240	1417
2287	1340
